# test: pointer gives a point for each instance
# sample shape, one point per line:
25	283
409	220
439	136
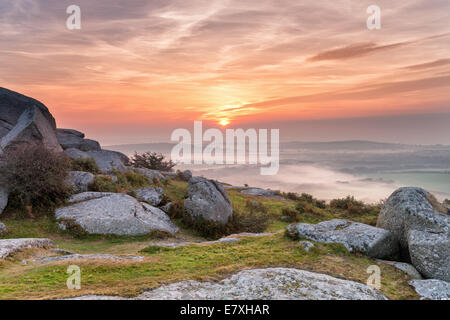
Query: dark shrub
85	164
36	177
290	215
447	202
176	209
152	160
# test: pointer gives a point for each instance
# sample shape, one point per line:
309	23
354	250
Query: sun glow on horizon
224	122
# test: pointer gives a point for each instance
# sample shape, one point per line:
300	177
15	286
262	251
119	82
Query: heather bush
36	178
86	165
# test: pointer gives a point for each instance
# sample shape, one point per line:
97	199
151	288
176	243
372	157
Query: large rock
151	195
109	160
117	214
80	180
430	253
13	105
31	128
432	289
3	198
267	284
10	246
76	154
356	237
412	209
208	199
74	139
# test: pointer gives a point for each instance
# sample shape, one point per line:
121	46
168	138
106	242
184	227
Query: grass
197	262
202	262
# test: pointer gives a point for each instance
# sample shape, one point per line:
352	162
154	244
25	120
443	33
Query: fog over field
370	171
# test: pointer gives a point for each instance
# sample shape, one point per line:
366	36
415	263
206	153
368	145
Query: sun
224	122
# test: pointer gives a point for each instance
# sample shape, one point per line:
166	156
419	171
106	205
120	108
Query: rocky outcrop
432	289
13	105
106	160
267	284
32	127
412	209
3	198
430	253
80	180
117	214
10	246
208	199
72	139
261	192
2	228
186	175
356	237
151	195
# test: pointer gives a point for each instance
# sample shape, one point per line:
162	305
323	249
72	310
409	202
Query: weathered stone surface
88	196
410	209
80	180
430	253
432	289
152	195
70	131
76	154
10	246
92	256
108	160
3	198
13	105
208	198
267	284
356	237
115	214
2	228
151	174
69	139
32	127
261	192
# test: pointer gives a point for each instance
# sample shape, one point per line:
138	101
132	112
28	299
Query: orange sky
161	64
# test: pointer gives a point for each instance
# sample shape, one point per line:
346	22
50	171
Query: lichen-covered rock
267	284
10	246
208	199
166	207
84	196
356	237
80	180
2	228
151	195
108	160
412	209
432	289
430	253
76	154
186	175
117	214
4	194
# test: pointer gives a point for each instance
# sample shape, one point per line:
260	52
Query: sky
138	69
